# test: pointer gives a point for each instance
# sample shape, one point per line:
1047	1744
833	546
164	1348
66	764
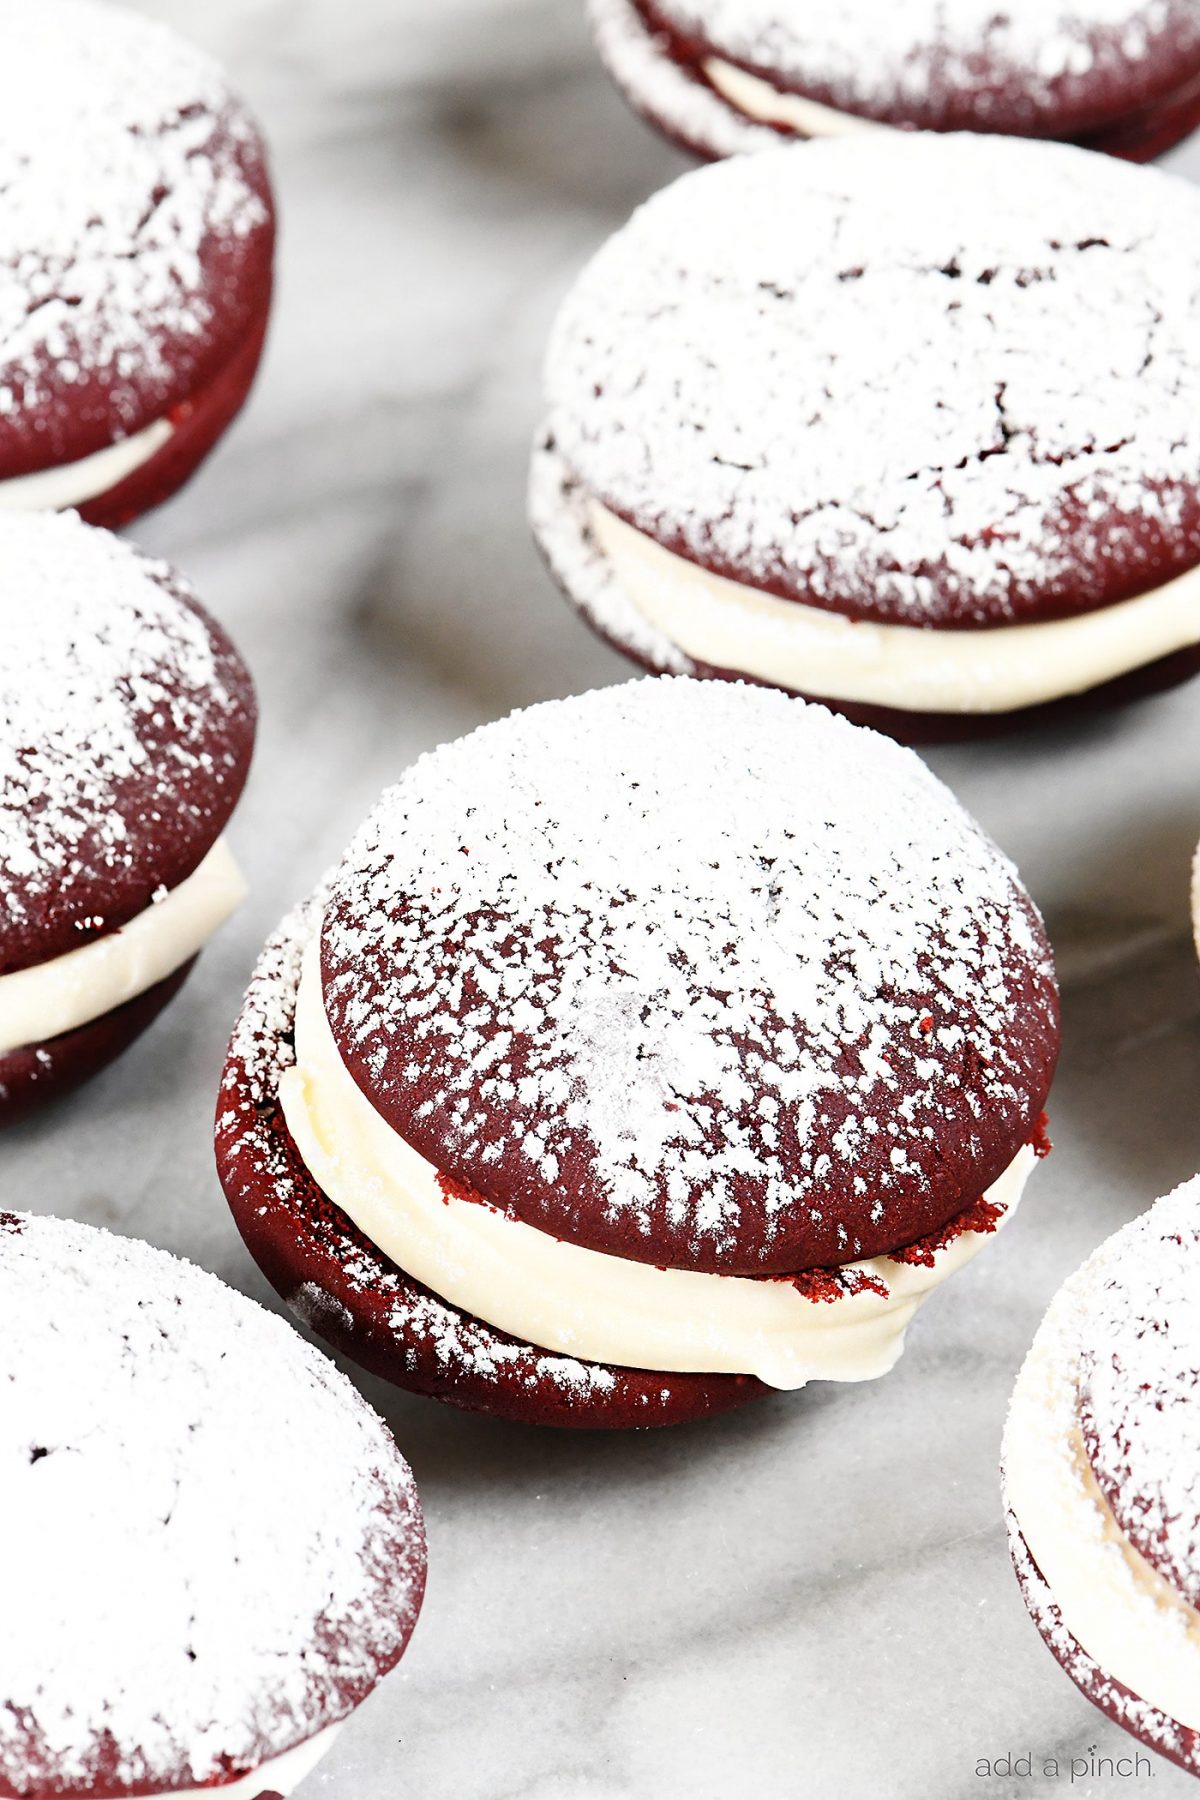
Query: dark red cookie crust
345	1289
30	1078
1137	1377
159	819
1113	98
701	331
167	284
1151	1727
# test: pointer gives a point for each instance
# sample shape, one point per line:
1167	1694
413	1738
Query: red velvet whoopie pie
136	246
1102	1478
218	1550
906	425
720	77
648	1050
127	723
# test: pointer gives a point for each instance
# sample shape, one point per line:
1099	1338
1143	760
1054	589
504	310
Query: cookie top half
933	381
1139	1384
136	227
694	974
127	724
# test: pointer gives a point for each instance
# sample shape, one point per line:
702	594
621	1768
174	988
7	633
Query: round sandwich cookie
648	1050
1102	1477
721	77
127	724
190	1485
908	426
136	244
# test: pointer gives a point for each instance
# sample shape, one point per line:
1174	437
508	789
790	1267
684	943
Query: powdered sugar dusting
195	1491
1020	64
926	380
741	979
1101	1454
114	698
1140	1383
122	158
434	1338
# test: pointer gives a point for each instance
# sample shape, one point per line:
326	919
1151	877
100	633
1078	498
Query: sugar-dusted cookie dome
191	1486
1101	1461
136	240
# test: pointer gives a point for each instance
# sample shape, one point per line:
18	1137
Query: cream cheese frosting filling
1126	1617
993	669
768	105
75	483
581	1302
71	990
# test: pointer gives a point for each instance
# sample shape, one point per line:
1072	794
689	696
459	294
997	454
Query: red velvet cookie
1101	1461
683	998
726	76
195	1490
907	425
136	241
127	725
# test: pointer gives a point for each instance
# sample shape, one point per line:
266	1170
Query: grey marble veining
811	1598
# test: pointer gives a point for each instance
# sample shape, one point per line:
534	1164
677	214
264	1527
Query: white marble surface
812	1597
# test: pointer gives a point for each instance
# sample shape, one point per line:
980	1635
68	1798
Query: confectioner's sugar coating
925	380
695	974
126	727
1100	1474
193	1488
1140	1386
135	227
349	1292
1047	67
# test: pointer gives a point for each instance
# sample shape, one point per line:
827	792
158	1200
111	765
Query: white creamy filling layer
73	484
580	1302
1129	1620
992	670
758	100
81	985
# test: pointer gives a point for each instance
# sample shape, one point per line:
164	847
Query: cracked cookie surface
926	381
